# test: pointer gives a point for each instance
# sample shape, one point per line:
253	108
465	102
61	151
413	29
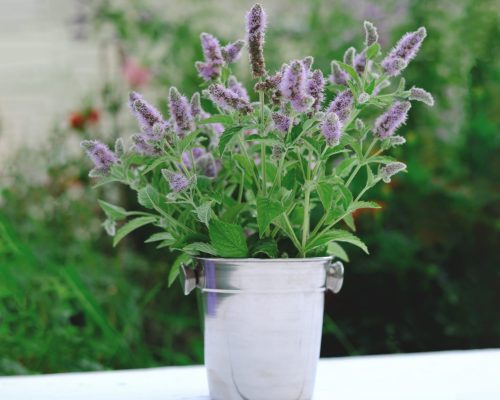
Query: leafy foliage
288	186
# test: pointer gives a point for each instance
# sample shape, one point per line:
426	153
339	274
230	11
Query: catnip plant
268	174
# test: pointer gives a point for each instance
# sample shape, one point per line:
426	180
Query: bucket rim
264	260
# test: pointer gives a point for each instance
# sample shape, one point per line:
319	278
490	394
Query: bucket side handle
335	276
192	278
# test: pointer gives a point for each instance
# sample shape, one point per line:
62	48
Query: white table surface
453	375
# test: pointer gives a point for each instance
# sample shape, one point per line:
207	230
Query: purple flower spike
177	182
302	104
393	66
387	171
232	51
349	56
406	49
142	146
331	128
100	154
256	27
228	100
208	165
342	105
145	113
293	83
132	97
196	153
180	111
196	109
211	49
371	34
207	71
281	122
360	63
237	88
315	87
422	95
338	76
307	62
387	124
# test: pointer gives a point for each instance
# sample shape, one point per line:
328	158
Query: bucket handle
195	277
335	276
192	278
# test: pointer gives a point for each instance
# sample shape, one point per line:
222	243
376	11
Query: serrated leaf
267	210
204	212
267	247
228	239
337	235
148	197
227	136
161	236
217	118
349	220
325	192
363	204
131	226
113	212
334	249
174	269
200	247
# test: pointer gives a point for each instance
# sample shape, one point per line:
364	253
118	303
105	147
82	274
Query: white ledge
450	375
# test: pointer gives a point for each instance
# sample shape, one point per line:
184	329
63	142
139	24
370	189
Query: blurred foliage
69	302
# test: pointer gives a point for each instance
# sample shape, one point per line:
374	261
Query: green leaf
265	246
349	220
267	210
113	212
369	176
217	118
349	69
158	237
148	197
204	212
186	141
336	250
325	192
381	159
228	239
131	226
174	270
337	235
372	51
345	166
363	204
232	212
227	136
200	247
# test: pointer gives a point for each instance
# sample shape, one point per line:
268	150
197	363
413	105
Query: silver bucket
262	322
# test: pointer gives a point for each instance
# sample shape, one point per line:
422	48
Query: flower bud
422	95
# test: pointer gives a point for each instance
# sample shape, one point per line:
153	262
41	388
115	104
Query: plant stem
262	145
292	235
305	225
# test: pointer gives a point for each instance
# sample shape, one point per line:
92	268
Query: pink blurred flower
135	74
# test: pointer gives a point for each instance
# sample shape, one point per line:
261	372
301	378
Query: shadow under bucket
263	321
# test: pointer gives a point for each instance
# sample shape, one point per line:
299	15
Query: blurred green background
70	302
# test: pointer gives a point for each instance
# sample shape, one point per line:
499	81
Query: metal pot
263	322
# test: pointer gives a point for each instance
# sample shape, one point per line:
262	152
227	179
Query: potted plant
257	197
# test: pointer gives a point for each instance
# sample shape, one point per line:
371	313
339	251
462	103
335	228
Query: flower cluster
244	180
